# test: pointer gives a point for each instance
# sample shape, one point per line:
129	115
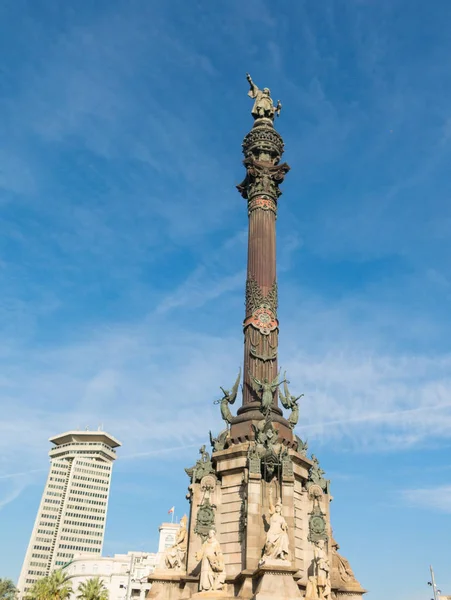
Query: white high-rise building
72	514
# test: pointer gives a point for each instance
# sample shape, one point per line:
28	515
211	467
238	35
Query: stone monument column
263	149
259	523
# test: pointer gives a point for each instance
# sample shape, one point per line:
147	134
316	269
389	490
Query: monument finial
263	106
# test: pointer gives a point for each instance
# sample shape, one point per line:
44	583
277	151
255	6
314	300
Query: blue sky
123	246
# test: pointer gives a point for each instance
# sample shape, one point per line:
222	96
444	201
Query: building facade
124	575
168	532
72	514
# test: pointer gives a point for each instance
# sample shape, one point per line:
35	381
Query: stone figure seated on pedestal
341	565
277	542
212	568
175	555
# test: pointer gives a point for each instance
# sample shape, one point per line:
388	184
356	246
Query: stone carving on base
254	462
302	446
287	464
176	554
220	442
206	514
205	518
317	521
202	467
243	508
318	586
316	476
263	105
212	568
277	543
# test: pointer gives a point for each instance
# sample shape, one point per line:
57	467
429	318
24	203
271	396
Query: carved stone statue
219	443
202	467
175	555
290	402
266	389
341	565
302	446
263	105
277	542
316	476
212	569
229	397
321	570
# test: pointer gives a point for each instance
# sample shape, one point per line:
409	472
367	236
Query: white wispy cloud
436	498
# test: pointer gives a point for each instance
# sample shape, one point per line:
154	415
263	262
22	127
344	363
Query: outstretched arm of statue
254	89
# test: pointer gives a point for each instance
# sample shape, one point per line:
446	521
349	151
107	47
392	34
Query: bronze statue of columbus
263	106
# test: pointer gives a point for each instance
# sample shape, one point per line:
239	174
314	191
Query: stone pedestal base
212	595
353	592
276	582
166	585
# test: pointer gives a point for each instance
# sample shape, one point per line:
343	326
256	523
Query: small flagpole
172	515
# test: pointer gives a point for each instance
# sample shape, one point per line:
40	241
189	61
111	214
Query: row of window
41	573
79	507
46	531
94	464
53	493
45	516
61	479
80	532
91	494
66	538
69	452
92	479
37	564
43	539
66	554
54	508
49	501
83	524
41	547
91	487
55	486
45	524
80	548
78	516
37	555
86	501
